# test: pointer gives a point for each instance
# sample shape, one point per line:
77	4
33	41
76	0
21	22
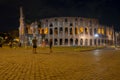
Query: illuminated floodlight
96	35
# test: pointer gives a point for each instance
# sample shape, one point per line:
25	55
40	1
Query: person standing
50	45
0	45
34	41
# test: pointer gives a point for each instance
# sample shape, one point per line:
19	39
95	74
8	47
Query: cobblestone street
22	64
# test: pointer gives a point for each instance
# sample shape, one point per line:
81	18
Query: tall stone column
63	37
93	38
88	36
53	35
78	40
83	42
58	28
68	36
48	34
74	34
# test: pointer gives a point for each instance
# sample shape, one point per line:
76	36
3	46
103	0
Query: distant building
66	31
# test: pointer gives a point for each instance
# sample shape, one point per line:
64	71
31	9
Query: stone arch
71	32
86	42
95	31
66	20
98	41
66	30
102	41
76	30
71	24
60	41
90	42
51	25
86	30
51	31
60	30
71	41
81	30
55	41
56	19
95	41
66	41
76	41
91	33
56	31
81	42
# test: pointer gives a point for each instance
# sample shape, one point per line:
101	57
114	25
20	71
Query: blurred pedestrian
10	44
34	41
50	45
20	44
1	45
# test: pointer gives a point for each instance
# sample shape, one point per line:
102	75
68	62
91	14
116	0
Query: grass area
76	48
55	49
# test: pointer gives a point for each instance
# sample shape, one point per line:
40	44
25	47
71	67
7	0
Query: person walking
0	45
34	41
50	45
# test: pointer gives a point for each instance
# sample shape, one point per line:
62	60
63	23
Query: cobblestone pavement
22	64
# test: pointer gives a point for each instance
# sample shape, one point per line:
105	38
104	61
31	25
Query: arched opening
56	31
95	31
81	30
76	19
86	42
81	42
71	24
95	42
66	30
99	42
51	25
61	30
66	20
71	31
90	42
91	31
71	41
76	30
55	41
51	31
86	30
60	41
56	19
102	41
66	41
76	41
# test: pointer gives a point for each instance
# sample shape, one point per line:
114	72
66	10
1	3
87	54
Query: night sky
107	11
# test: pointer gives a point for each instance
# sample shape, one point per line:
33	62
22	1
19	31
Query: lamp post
96	36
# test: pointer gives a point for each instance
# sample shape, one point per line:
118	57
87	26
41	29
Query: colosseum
66	31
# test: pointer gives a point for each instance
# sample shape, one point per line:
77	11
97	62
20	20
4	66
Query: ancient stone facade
67	31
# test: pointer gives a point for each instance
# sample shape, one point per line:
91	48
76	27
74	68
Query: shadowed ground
61	64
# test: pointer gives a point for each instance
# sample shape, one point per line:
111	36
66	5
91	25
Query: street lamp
96	36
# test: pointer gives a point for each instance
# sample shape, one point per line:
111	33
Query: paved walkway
21	64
